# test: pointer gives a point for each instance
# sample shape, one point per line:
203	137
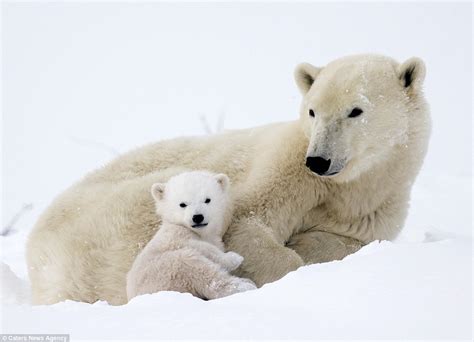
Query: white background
83	80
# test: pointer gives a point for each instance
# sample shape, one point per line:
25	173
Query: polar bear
187	253
306	191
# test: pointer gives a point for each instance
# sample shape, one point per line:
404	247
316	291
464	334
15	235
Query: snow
83	82
415	290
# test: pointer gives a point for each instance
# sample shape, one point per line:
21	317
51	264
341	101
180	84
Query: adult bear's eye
207	201
183	205
311	113
355	112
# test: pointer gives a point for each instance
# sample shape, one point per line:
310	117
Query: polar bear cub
187	253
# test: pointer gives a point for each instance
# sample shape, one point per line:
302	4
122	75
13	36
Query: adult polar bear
306	191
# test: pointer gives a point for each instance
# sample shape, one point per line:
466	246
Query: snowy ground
83	82
403	290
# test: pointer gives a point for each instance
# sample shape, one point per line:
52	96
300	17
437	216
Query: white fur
285	215
184	256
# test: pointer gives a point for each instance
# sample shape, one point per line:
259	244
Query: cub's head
197	200
356	110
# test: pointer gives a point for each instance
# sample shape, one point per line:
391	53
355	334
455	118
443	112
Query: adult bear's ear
412	73
158	191
223	180
305	75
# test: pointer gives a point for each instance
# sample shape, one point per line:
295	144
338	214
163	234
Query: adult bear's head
356	110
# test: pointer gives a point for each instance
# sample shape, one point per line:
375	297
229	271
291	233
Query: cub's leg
185	271
229	260
223	284
207	279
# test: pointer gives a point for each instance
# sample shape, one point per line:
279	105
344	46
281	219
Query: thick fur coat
187	253
305	191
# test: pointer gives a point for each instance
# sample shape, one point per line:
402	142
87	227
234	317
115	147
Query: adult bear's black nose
198	218
318	165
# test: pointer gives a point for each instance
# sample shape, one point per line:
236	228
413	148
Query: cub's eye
183	205
355	112
207	201
311	113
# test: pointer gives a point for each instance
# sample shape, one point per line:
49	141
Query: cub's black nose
318	165
198	218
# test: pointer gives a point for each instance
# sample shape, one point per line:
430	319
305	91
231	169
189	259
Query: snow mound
14	290
404	290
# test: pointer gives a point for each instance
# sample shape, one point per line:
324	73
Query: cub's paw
233	260
246	285
232	286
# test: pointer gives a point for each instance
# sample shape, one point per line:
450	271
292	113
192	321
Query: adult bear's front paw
279	262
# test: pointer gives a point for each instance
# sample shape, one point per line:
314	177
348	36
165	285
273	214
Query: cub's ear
412	73
223	180
158	191
305	75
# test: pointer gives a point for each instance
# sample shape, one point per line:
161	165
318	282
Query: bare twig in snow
220	122
219	125
9	228
205	124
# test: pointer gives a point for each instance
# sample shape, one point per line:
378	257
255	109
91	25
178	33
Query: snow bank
415	290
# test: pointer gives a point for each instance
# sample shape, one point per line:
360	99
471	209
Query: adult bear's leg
265	260
84	244
317	246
